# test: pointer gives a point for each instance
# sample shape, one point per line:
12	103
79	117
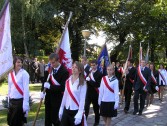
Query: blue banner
103	60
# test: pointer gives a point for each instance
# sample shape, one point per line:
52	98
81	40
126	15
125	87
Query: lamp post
86	34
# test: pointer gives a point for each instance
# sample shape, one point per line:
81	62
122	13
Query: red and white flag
6	59
65	52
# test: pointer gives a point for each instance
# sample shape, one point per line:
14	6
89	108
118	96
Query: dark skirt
152	89
15	115
107	109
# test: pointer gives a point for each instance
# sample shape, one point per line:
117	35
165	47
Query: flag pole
66	26
3	8
124	73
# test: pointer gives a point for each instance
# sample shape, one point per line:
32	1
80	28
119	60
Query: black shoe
140	113
95	124
125	111
134	113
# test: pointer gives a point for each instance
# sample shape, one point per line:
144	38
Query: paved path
154	115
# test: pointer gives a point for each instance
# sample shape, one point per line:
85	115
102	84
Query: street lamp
86	34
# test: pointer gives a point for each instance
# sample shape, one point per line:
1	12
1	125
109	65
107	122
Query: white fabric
65	46
88	78
6	58
42	95
47	85
139	70
157	88
105	94
54	80
92	77
26	114
164	74
77	121
22	79
60	113
79	94
116	105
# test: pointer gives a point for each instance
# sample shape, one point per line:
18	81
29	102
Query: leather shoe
134	113
140	113
125	111
95	124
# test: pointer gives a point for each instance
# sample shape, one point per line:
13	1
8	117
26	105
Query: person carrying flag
93	83
18	94
141	86
58	75
129	81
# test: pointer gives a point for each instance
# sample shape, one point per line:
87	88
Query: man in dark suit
54	89
93	83
141	86
86	66
129	80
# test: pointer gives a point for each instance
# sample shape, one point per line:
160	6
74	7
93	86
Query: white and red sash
93	79
76	102
15	84
120	70
153	78
54	82
141	76
107	85
163	78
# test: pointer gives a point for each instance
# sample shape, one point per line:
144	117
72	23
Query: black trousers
142	95
128	93
15	115
94	101
52	106
68	118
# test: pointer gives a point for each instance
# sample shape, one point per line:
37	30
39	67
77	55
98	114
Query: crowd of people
68	97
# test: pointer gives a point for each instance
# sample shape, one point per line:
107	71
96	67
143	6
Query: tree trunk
24	35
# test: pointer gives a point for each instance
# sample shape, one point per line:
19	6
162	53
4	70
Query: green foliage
37	25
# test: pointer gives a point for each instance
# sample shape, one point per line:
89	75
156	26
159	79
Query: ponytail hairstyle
81	74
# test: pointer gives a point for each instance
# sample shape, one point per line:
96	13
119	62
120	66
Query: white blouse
79	93
164	74
22	80
105	94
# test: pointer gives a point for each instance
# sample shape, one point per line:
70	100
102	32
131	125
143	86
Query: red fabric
132	81
105	82
141	77
16	85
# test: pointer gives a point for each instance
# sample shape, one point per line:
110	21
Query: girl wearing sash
109	96
154	83
18	94
162	81
72	106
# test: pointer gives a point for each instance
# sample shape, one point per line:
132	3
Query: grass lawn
31	115
32	87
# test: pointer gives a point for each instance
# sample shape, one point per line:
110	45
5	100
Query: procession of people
68	96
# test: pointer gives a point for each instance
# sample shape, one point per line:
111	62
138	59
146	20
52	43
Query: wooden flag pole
3	8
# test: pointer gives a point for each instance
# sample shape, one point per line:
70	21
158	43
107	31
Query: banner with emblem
64	50
103	60
6	59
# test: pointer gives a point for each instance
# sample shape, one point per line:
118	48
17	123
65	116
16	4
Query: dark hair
153	66
161	65
81	75
54	55
15	60
94	61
